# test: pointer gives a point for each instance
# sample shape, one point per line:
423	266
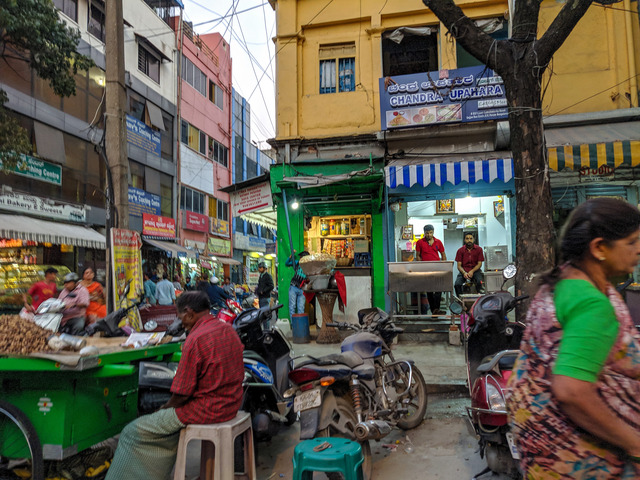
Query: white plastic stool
217	453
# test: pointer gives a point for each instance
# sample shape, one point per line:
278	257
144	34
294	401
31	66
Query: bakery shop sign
470	94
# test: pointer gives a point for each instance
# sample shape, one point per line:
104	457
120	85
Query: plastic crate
362	259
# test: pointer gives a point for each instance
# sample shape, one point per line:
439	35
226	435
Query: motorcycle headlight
495	399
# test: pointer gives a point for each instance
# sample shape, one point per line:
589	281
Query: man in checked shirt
207	389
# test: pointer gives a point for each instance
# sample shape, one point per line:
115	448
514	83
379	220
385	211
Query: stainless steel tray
421	276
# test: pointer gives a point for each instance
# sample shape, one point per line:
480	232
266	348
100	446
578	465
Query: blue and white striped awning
453	172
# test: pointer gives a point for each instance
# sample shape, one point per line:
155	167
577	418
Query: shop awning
266	217
173	248
452	172
28	228
228	261
595	155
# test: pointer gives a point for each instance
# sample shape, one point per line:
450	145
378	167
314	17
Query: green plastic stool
344	456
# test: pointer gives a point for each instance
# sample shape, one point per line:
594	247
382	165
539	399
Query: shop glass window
137	174
184	132
337	68
222	211
496	28
414	54
194	76
192	200
136	107
239	225
43	91
166	137
95	25
166	195
202	146
148	64
216	95
218	152
68	7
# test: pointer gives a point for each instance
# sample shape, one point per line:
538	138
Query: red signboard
195	221
157	226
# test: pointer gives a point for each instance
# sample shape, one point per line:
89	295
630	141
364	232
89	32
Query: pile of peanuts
20	336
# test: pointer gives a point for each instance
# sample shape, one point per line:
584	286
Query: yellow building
336	59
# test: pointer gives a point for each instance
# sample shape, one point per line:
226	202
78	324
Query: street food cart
54	405
420	277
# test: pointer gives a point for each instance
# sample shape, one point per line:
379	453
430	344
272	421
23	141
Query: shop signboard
195	221
468	94
219	246
126	265
37	169
142	136
249	243
219	227
271	248
141	202
158	227
23	203
251	198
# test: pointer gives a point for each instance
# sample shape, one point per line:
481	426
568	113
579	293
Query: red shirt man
469	259
43	290
210	373
429	248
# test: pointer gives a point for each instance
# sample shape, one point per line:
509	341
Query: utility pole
116	134
116	96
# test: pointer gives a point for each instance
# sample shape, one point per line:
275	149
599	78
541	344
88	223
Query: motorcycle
362	392
229	312
267	363
492	345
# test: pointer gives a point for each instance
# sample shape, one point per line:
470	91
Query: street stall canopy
174	249
28	228
453	172
595	156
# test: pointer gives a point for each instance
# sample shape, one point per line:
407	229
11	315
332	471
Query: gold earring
602	259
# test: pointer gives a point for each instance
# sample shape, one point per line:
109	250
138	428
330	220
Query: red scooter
492	345
229	313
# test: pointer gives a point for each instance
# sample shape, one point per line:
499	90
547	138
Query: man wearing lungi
207	389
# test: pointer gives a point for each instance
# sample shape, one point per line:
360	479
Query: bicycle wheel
19	440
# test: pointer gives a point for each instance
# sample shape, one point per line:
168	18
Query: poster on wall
254	274
126	265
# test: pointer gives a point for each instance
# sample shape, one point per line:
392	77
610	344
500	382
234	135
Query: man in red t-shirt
469	258
207	388
428	249
42	290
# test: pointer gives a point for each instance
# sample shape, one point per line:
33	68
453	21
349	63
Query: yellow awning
596	156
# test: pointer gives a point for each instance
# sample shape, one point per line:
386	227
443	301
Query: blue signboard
143	202
142	136
469	94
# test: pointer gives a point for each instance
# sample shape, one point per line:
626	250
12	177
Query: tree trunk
534	242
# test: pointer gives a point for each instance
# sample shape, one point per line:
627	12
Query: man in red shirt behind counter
429	249
207	388
42	290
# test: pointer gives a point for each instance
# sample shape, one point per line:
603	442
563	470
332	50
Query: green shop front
336	208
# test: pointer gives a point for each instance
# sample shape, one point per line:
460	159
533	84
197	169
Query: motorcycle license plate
307	400
512	446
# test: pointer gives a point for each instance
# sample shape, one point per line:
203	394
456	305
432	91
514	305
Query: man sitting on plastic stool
469	260
207	389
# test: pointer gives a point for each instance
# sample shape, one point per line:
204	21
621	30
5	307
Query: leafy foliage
32	32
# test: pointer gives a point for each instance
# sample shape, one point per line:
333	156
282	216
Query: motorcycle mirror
455	308
509	271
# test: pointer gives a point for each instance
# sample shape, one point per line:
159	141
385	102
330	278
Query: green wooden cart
50	411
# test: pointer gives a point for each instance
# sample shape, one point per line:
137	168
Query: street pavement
440	448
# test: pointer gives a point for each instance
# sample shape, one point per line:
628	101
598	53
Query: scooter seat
505	362
348	358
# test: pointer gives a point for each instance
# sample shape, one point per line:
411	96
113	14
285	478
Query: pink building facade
204	150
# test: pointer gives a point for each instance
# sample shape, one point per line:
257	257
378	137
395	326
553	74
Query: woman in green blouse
575	399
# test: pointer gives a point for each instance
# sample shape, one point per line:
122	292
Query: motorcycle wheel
346	417
417	397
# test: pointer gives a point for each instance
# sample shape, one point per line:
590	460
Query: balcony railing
197	41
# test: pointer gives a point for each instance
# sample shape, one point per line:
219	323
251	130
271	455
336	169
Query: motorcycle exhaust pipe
371	430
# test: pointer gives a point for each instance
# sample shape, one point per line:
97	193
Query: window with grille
218	152
216	95
414	54
95	24
68	7
218	209
337	68
148	64
192	200
194	76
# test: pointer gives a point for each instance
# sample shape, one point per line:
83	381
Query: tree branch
560	29
464	30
